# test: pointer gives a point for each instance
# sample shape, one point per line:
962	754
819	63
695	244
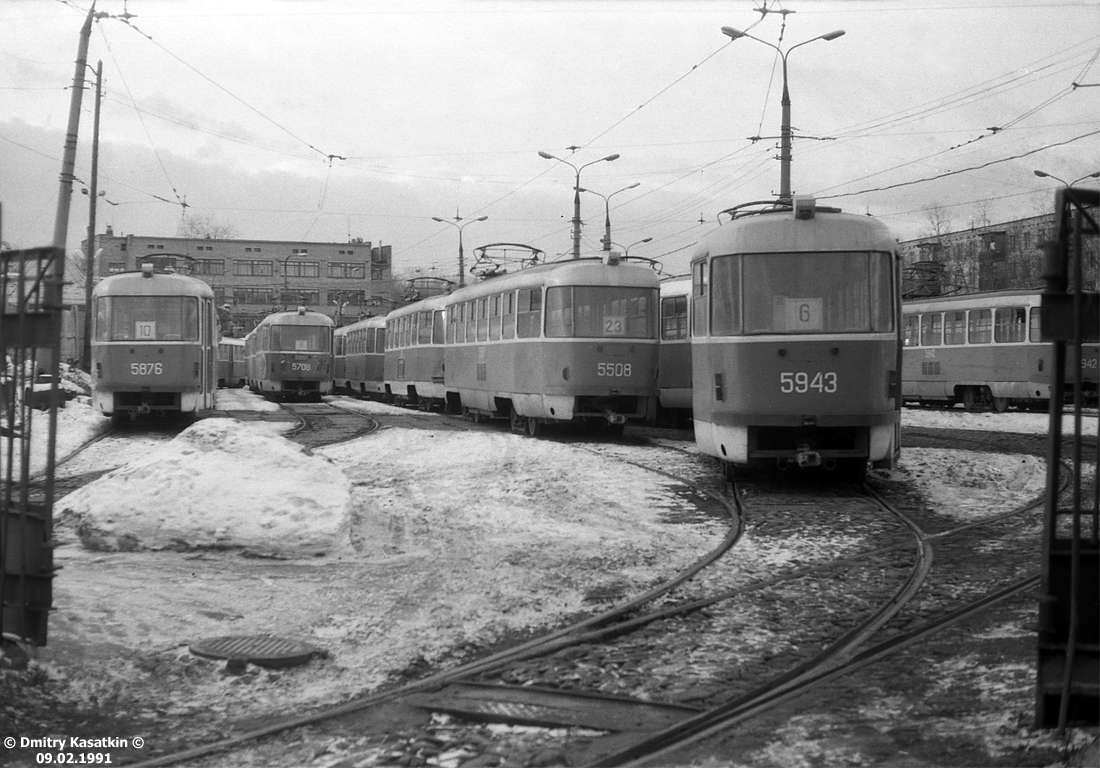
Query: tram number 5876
801	382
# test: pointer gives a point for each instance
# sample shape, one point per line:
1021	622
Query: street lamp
626	249
1045	175
461	256
785	133
577	195
607	210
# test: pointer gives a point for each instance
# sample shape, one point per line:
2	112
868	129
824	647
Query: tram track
635	616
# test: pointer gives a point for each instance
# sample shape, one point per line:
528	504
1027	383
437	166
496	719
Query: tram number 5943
800	382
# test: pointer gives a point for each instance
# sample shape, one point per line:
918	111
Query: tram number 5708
800	382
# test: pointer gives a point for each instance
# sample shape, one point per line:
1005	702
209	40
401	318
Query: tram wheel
517	422
533	427
970	398
1000	404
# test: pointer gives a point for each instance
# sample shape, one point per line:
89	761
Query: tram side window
452	323
725	312
674	318
981	326
425	322
380	340
911	330
528	319
437	326
494	317
931	329
954	327
508	327
699	298
559	312
1034	331
458	318
482	319
1011	325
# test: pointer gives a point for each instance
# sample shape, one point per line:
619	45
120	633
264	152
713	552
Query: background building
988	258
253	278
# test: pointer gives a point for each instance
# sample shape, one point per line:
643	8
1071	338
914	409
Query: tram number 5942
801	382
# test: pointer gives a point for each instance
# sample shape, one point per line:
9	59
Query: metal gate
1068	683
30	337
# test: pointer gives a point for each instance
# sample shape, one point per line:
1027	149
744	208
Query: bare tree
204	226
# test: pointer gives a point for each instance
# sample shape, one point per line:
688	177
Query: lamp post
607	210
461	255
1045	175
785	132
577	195
626	251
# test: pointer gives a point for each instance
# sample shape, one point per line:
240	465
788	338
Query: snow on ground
460	538
219	483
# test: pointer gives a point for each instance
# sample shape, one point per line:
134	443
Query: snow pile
220	483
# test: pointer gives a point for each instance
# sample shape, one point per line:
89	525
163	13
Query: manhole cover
262	650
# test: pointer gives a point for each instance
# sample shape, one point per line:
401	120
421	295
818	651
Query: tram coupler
615	418
807	458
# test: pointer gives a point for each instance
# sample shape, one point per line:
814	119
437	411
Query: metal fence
30	337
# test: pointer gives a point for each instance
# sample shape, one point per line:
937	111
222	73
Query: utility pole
68	163
90	256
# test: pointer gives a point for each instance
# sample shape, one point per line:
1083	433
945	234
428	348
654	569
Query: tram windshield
147	318
596	312
300	338
797	293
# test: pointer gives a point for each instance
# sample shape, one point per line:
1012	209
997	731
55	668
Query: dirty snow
459	538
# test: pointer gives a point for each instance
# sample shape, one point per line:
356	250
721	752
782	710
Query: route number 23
800	382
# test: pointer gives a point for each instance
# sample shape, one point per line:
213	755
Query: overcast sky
323	119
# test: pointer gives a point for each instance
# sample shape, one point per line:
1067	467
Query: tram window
674	316
559	312
437	326
931	329
494	317
981	326
725	310
300	338
147	318
910	325
508	323
1011	325
458	314
1034	331
452	323
954	327
699	298
425	322
594	312
380	340
796	293
528	317
482	319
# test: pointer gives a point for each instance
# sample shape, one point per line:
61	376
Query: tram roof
781	232
297	317
584	271
156	284
375	321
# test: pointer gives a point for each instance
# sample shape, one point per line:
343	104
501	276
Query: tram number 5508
800	382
